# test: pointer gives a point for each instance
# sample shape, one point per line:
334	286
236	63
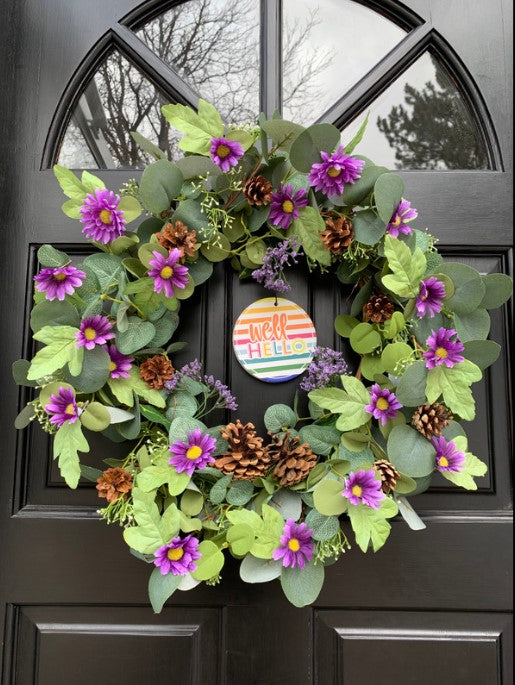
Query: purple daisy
430	297
178	556
193	454
103	222
167	273
296	545
331	174
285	205
59	282
225	153
362	487
443	349
399	221
448	458
383	405
63	407
120	364
94	330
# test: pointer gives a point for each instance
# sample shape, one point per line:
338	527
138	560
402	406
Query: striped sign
274	339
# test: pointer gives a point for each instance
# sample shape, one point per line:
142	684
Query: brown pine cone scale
293	459
258	191
245	458
178	236
431	419
156	370
389	475
378	309
338	234
113	484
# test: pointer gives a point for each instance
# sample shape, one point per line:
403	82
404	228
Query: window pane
328	46
118	100
422	122
214	46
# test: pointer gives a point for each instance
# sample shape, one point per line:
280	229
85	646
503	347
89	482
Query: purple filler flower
430	297
325	369
193	454
178	556
167	273
103	222
296	545
285	205
120	364
383	404
334	171
271	273
443	349
63	407
94	330
448	458
225	153
362	487
59	282
399	221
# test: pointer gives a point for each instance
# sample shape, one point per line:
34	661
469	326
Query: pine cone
246	457
293	460
258	191
389	475
113	484
156	370
378	309
178	236
431	419
338	234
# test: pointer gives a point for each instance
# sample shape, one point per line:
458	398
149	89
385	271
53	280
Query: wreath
353	444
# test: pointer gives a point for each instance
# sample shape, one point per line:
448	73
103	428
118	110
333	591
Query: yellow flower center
382	403
223	150
194	452
333	172
441	352
443	461
105	216
175	554
396	221
112	366
288	206
166	272
357	490
70	410
59	277
90	333
294	545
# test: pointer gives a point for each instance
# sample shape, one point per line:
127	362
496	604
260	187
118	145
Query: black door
432	607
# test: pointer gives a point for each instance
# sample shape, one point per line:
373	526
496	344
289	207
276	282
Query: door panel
430	607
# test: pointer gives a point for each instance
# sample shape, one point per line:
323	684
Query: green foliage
349	148
53	313
254	570
364	338
152	529
407	268
210	563
322	439
95	417
328	498
410	452
498	290
279	417
60	345
454	386
161	587
388	191
137	335
308	227
48	256
368	227
94	370
160	184
482	353
302	586
307	146
199	127
68	442
282	132
473	467
469	288
370	526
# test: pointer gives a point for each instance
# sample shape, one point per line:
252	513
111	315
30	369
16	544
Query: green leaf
94	372
482	353
279	417
192	502
181	403
122	390
308	227
118	415
218	250
54	313
282	132
324	527
371	366
108	269
344	325
219	490
369	526
368	227
393	326
48	256
454	384
240	539
199	128
268	535
306	148
411	389
25	416
70	184
95	417
153	415
153	477
349	148
253	570
139	386
256	251
190	213
165	327
388	191
322	439
288	503
409	514
405	484
138	335
364	338
20	369
408	268
130	207
355	389
193	166
201	270
240	493
60	346
181	426
394	353
333	399
498	290
410	453
91	182
302	586
152	530
469	288
160	184
210	563
68	441
472	326
147	145
356	193
161	587
472	467
328	498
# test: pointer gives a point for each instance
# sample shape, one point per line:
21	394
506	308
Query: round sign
274	339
